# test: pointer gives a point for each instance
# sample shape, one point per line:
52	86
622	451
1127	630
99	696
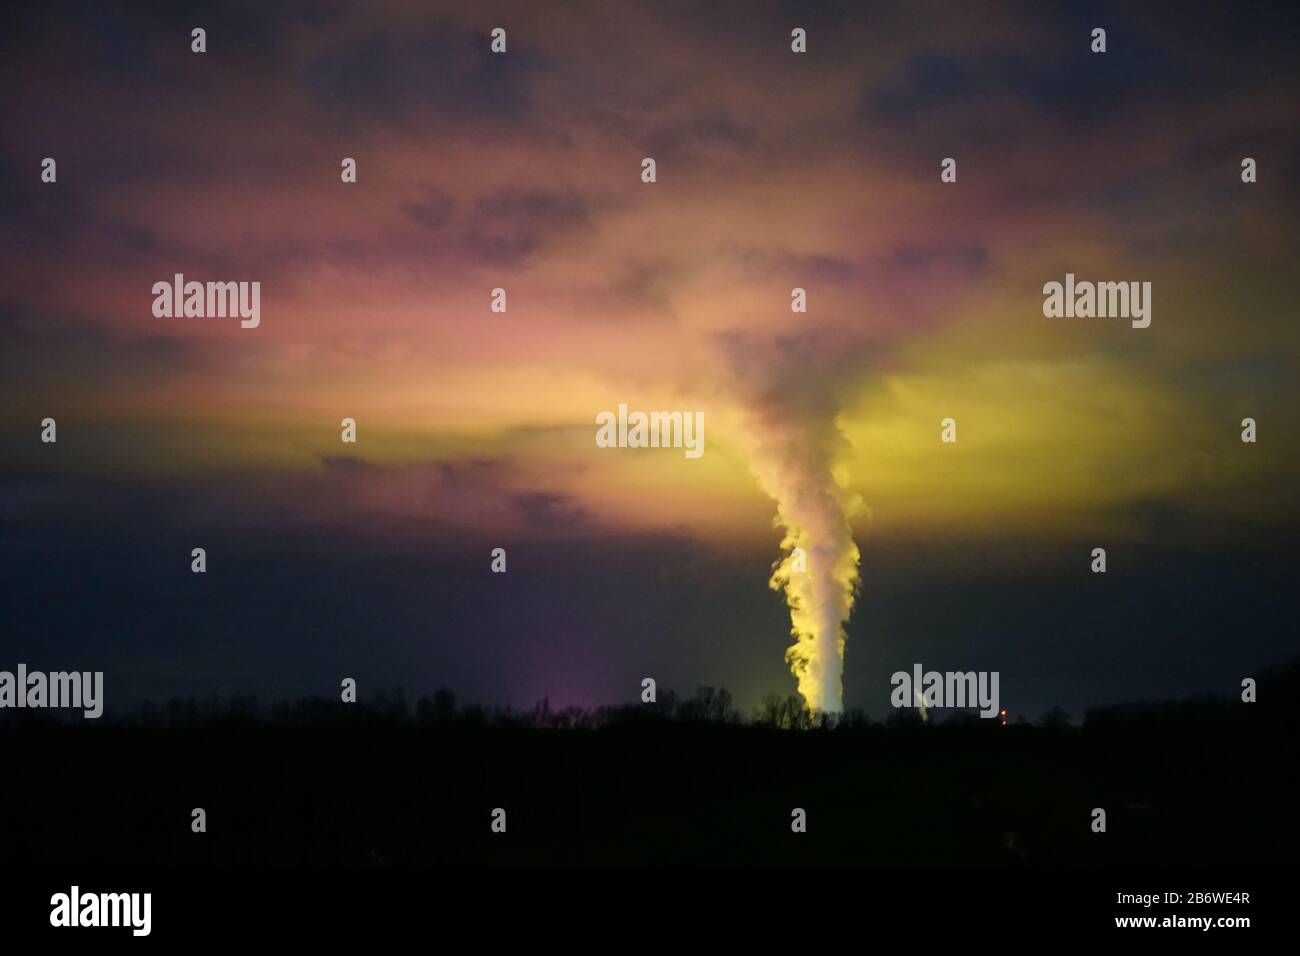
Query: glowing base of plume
820	600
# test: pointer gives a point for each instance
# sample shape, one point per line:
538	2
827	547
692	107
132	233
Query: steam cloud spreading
795	450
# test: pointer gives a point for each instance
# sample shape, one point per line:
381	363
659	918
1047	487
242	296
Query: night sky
475	429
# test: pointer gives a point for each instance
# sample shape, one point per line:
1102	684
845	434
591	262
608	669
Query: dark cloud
57	356
536	209
968	259
346	464
549	509
761	262
683	140
494	249
1062	79
928	80
433	212
646	285
438	73
513	224
815	268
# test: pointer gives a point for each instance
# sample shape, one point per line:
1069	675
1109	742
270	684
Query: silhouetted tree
444	705
785	713
1054	719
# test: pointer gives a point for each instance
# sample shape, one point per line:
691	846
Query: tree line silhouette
688	779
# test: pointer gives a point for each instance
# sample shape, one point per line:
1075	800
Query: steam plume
796	450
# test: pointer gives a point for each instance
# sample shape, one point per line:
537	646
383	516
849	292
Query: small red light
1004	723
1003	712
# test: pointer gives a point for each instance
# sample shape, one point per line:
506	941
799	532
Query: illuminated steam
796	447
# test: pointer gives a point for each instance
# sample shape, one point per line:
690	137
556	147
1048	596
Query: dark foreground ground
1202	782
